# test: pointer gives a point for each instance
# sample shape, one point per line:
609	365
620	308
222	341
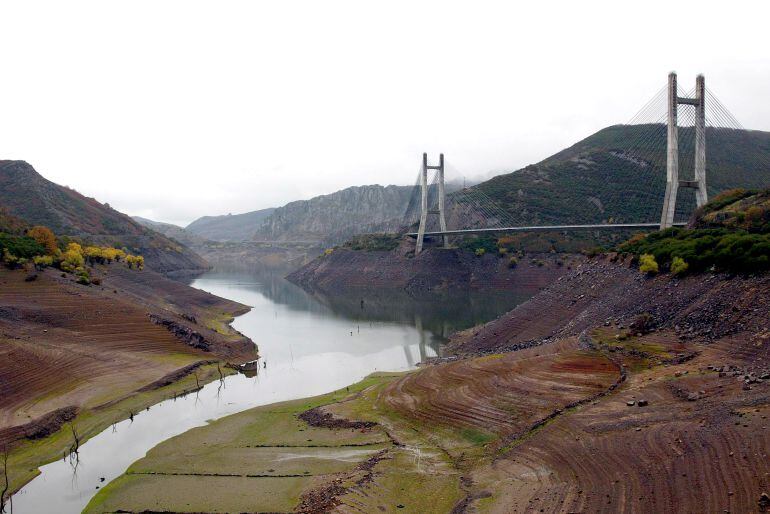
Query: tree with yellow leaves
72	257
45	238
135	261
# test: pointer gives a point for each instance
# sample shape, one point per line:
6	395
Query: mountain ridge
229	227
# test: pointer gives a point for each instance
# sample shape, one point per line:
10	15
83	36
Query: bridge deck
544	228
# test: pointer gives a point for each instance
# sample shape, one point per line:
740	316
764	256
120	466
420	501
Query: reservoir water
309	344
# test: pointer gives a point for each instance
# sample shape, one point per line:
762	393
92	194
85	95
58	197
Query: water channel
310	344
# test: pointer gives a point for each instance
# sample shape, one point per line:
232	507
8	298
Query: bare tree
221	381
75	448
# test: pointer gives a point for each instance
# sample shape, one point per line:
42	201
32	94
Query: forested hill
618	174
24	193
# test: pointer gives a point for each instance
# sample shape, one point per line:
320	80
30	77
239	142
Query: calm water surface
311	345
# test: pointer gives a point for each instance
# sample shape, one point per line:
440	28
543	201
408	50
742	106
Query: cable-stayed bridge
651	172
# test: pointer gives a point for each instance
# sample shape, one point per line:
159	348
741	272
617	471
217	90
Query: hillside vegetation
38	248
730	233
25	194
610	176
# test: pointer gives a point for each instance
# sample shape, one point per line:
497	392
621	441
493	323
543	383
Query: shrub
679	266
488	243
593	251
513	262
480	252
648	264
42	261
703	249
373	242
10	259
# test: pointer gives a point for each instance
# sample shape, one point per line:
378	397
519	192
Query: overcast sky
177	109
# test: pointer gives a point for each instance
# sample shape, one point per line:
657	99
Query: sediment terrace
70	350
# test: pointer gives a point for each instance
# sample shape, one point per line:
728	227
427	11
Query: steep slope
433	272
171	231
618	174
335	217
26	194
229	227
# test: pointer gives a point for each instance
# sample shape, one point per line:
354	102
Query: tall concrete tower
424	200
672	155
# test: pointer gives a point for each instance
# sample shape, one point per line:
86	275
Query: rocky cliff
333	218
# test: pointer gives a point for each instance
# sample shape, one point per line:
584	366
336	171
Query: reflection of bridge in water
435	317
662	149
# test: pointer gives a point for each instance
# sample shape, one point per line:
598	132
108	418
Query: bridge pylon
424	211
672	155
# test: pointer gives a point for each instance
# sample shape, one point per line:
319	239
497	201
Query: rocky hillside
333	218
718	287
26	194
618	174
434	271
229	227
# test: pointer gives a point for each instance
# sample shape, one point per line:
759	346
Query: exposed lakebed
309	345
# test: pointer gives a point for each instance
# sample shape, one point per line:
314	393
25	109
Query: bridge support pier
672	155
424	201
701	195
